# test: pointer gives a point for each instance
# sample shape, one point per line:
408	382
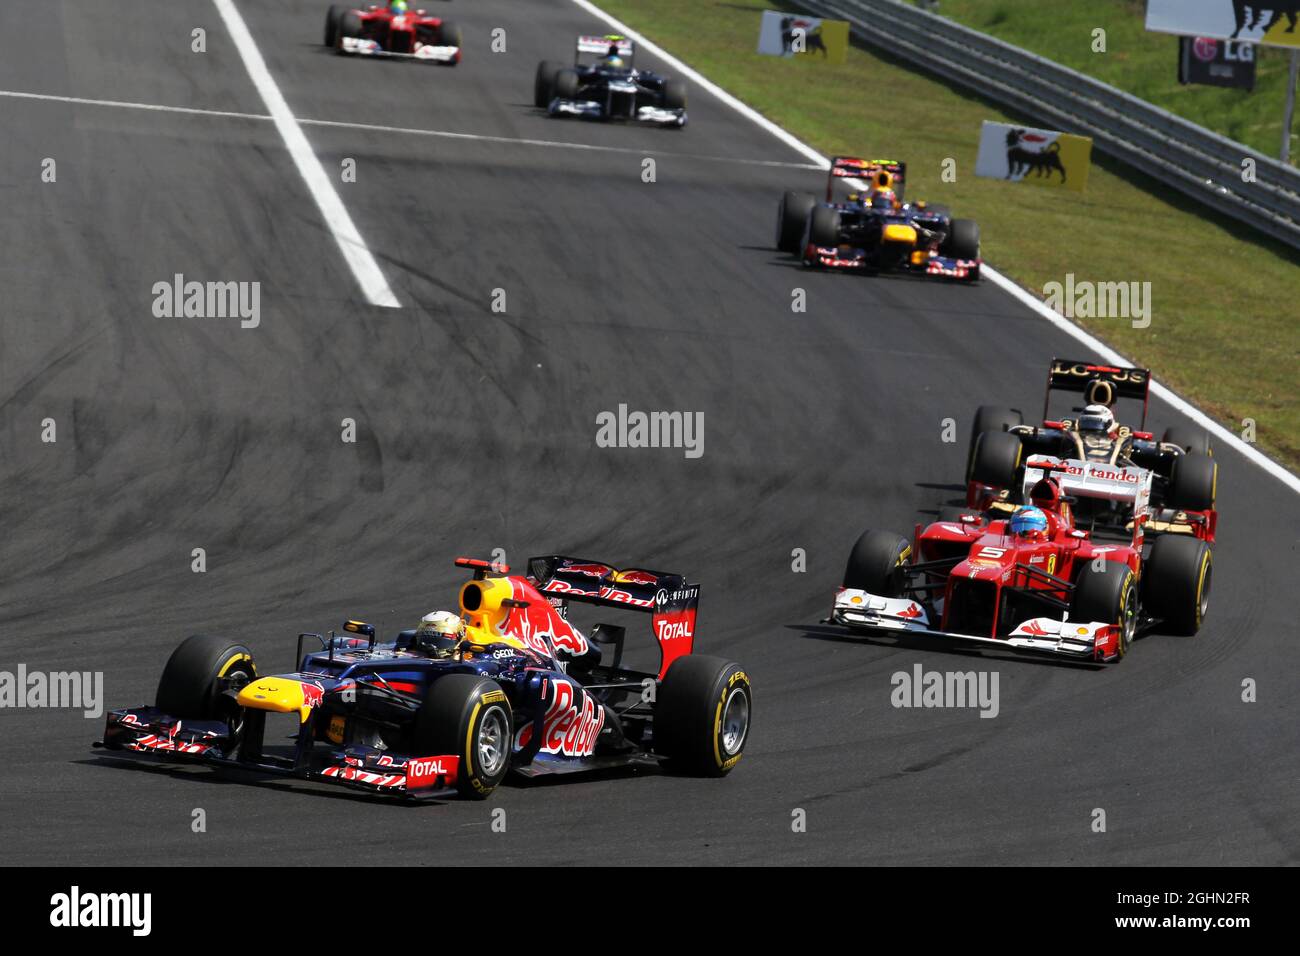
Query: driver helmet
612	59
397	7
1097	418
1029	522
884	199
440	632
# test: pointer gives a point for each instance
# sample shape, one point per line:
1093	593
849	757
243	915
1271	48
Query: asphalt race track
476	431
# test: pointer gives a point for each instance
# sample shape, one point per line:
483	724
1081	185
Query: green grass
1226	303
1144	64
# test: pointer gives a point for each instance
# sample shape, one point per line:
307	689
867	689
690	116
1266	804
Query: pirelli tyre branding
1270	22
1042	157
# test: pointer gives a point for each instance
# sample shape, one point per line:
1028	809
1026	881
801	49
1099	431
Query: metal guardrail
1202	164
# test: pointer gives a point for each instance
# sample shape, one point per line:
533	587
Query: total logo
668	630
425	771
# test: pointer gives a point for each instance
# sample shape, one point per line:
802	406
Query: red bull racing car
506	684
1032	581
872	229
398	30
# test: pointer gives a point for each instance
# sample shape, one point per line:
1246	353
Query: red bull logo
312	694
636	577
571	725
590	570
534	623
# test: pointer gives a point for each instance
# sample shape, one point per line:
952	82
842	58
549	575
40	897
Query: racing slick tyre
469	716
332	18
349	26
1108	594
198	671
701	715
1194	441
990	418
823	228
449	34
962	241
876	564
1176	582
544	84
995	460
792	220
674	94
566	84
1192	483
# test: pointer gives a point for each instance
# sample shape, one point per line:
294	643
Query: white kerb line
355	251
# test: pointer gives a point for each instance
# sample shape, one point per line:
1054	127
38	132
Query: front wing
148	732
446	55
593	109
1093	641
852	259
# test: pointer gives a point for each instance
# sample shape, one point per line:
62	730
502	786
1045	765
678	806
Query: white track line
354	249
409	131
1104	351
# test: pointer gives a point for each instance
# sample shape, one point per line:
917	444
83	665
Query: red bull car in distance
515	687
376	29
873	229
1062	592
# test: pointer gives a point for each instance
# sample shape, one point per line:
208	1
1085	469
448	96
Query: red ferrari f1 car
505	684
397	30
1058	591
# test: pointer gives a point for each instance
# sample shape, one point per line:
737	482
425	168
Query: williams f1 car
872	229
1100	451
506	684
1059	591
609	88
378	30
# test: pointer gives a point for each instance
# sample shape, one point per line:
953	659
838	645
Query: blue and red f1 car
513	686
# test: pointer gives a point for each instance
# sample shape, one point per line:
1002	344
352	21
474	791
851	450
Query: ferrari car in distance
1098	446
610	87
396	30
872	228
1032	581
504	684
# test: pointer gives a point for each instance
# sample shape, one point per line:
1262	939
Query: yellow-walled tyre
702	715
198	673
469	716
1176	581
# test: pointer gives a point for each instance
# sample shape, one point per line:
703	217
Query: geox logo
75	909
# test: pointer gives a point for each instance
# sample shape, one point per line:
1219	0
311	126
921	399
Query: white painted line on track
410	131
354	249
1104	351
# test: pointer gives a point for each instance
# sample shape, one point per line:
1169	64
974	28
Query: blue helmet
1028	522
397	6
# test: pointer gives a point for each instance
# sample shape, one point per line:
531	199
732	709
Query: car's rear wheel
990	418
792	220
1176	582
876	564
544	82
332	18
197	674
1107	593
467	716
1193	441
1192	483
962	241
702	715
996	460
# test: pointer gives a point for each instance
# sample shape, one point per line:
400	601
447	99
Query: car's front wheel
198	673
468	716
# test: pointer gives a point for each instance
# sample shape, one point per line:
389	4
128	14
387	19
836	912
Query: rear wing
850	167
1104	383
670	599
602	45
